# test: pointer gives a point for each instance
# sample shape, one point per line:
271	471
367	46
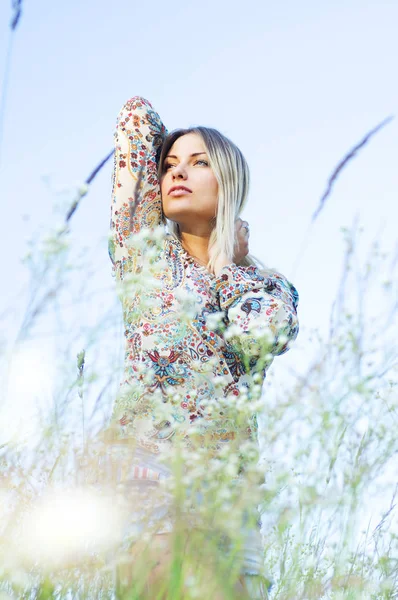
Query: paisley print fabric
178	357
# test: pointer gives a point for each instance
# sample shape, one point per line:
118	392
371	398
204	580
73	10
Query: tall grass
324	478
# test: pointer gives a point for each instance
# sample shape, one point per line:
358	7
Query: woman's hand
242	240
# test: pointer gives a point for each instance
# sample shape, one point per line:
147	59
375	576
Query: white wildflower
141	368
159	234
232	331
259	405
283	338
215	320
362	425
151	253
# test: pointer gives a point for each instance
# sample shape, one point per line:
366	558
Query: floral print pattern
173	365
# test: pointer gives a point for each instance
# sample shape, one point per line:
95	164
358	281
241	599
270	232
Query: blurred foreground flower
64	526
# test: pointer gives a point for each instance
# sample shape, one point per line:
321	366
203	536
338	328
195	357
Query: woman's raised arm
136	201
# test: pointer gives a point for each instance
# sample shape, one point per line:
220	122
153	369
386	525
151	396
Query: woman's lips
179	192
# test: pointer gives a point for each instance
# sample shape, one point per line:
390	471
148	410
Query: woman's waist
150	447
127	460
183	422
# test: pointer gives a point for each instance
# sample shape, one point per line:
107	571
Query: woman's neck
196	245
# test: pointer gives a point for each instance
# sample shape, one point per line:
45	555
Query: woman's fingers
242	226
245	227
242	240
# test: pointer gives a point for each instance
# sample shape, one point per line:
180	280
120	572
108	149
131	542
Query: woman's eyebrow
194	154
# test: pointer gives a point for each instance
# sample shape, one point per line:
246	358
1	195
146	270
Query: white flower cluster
215	321
188	305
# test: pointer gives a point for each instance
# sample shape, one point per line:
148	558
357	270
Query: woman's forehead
187	144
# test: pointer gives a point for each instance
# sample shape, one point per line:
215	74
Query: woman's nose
179	172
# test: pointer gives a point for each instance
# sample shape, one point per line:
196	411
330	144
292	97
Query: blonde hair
232	173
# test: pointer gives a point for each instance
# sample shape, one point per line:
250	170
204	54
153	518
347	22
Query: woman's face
193	204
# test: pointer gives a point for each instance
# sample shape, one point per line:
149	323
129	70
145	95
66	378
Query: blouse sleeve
138	137
260	310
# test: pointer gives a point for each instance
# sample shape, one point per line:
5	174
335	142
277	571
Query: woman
180	370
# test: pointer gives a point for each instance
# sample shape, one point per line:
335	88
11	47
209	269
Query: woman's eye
202	161
166	167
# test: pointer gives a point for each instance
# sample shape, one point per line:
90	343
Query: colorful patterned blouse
193	341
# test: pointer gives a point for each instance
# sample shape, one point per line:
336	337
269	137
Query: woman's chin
190	221
179	216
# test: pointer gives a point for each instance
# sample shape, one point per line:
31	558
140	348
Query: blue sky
294	84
